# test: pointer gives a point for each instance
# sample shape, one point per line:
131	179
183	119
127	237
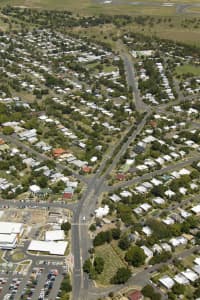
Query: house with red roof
136	295
58	152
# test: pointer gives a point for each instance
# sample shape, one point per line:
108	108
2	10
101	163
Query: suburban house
136	295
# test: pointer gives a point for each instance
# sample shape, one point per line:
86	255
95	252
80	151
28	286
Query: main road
81	241
82	216
131	77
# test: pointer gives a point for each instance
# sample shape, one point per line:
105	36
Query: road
80	238
132	78
153	174
81	241
131	75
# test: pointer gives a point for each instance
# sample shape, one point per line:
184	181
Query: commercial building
55	235
49	247
9	234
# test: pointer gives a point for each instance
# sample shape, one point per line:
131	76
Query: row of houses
186	277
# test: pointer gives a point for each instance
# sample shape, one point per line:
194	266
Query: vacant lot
112	263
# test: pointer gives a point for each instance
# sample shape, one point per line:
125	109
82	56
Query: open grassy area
94	7
181	35
189	261
185	69
18	256
171	28
112	263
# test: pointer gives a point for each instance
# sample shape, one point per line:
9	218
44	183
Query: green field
185	69
92	7
112	263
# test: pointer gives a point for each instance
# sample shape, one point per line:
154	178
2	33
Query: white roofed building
55	235
179	278
197	261
167	282
190	275
102	211
9	234
196	209
147	252
147	230
50	247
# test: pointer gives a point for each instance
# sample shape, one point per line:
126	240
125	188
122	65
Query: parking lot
42	281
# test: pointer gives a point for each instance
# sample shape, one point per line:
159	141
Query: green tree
125	213
66	226
160	230
7	130
156	296
116	232
197	238
122	275
148	291
42	181
135	256
92	227
171	296
160	257
178	289
102	238
66	284
124	243
197	292
87	266
99	264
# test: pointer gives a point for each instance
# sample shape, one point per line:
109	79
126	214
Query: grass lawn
112	263
189	261
18	256
109	69
185	69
